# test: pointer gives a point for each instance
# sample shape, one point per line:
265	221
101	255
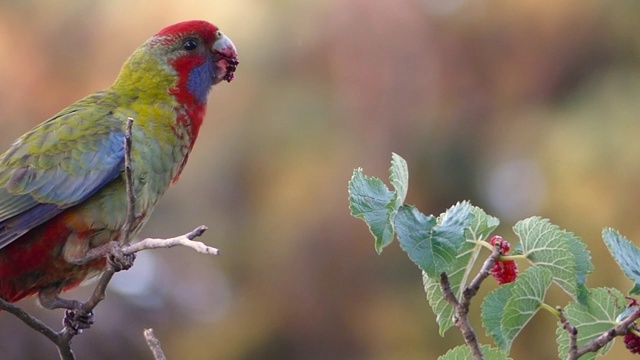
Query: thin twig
182	240
621	329
64	349
63	338
573	335
460	318
471	290
461	307
447	292
29	320
128	177
154	345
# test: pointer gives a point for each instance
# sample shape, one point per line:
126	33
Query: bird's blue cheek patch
201	80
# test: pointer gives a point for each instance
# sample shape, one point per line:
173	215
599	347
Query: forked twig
461	307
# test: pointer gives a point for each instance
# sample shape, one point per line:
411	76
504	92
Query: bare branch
573	335
621	329
460	318
461	307
484	273
64	350
447	292
183	240
128	177
154	345
34	323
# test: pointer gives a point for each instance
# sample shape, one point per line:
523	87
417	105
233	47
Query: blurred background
523	107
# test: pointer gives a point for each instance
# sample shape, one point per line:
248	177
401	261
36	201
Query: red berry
505	272
632	342
504	245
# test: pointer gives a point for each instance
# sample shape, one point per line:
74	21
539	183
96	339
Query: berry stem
512	257
551	310
484	244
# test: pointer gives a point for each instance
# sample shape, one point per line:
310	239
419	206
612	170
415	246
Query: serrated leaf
507	309
593	318
414	231
584	266
463	352
527	295
493	311
480	228
369	200
453	222
399	178
626	254
546	245
482	225
431	245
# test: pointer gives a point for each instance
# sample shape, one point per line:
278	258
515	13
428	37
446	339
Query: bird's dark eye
190	44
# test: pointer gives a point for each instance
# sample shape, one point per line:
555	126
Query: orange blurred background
523	107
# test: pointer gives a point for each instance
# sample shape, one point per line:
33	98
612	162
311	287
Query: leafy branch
119	256
446	248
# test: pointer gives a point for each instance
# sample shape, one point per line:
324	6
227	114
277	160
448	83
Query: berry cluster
632	342
504	271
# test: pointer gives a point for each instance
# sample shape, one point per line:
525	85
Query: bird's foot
117	260
77	320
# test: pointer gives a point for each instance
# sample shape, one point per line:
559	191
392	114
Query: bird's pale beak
226	57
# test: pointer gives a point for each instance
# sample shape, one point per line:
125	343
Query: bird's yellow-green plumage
62	188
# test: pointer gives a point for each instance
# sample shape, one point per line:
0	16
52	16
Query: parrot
62	184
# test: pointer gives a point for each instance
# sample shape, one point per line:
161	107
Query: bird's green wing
58	164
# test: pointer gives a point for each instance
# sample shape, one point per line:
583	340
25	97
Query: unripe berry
504	245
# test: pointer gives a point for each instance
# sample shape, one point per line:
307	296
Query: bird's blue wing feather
58	164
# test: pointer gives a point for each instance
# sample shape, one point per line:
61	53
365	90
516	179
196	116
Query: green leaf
506	310
626	254
463	352
527	295
370	200
546	245
432	244
481	227
415	236
399	178
584	266
492	312
593	318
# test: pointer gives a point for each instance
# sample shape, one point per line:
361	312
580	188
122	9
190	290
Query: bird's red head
201	55
179	66
201	39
